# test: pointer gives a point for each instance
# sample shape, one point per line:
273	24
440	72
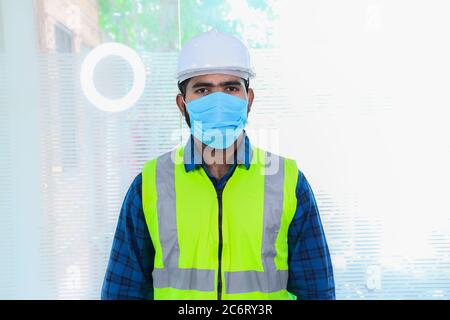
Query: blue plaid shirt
129	271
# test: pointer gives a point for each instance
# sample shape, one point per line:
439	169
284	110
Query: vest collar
193	158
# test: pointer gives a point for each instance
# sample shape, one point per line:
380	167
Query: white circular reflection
87	77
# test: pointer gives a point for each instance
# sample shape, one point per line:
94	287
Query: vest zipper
219	276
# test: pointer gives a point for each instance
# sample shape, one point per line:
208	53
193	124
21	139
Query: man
218	218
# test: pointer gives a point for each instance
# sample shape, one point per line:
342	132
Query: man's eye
201	90
233	89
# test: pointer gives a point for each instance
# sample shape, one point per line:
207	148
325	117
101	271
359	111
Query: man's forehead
215	79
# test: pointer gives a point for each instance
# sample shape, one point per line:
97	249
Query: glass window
1	29
356	94
63	39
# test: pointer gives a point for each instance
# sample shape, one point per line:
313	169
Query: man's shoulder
137	182
272	153
275	157
302	182
164	161
164	156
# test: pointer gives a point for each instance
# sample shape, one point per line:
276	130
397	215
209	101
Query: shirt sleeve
310	268
130	266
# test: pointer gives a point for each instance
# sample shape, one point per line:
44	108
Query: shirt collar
193	158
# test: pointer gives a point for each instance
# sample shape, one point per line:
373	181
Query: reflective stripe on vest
270	279
160	208
171	275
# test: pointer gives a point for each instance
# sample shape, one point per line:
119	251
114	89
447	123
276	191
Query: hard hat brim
247	74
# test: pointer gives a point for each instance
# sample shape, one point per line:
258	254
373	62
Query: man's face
203	85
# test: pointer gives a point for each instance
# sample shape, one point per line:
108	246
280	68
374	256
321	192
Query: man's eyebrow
230	83
222	84
202	84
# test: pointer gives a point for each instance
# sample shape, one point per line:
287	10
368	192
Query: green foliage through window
155	25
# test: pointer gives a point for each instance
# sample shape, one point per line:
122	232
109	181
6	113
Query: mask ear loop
185	107
184	114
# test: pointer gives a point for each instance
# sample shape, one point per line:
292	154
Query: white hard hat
214	52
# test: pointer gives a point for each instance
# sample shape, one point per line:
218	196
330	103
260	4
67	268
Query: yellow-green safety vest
212	245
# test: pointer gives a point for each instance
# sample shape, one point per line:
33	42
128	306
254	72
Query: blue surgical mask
217	119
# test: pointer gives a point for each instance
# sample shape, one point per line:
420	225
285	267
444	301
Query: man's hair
183	85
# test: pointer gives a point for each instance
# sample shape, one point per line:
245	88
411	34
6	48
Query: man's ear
182	107
250	97
180	104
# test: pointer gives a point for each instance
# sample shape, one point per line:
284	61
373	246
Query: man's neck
219	161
